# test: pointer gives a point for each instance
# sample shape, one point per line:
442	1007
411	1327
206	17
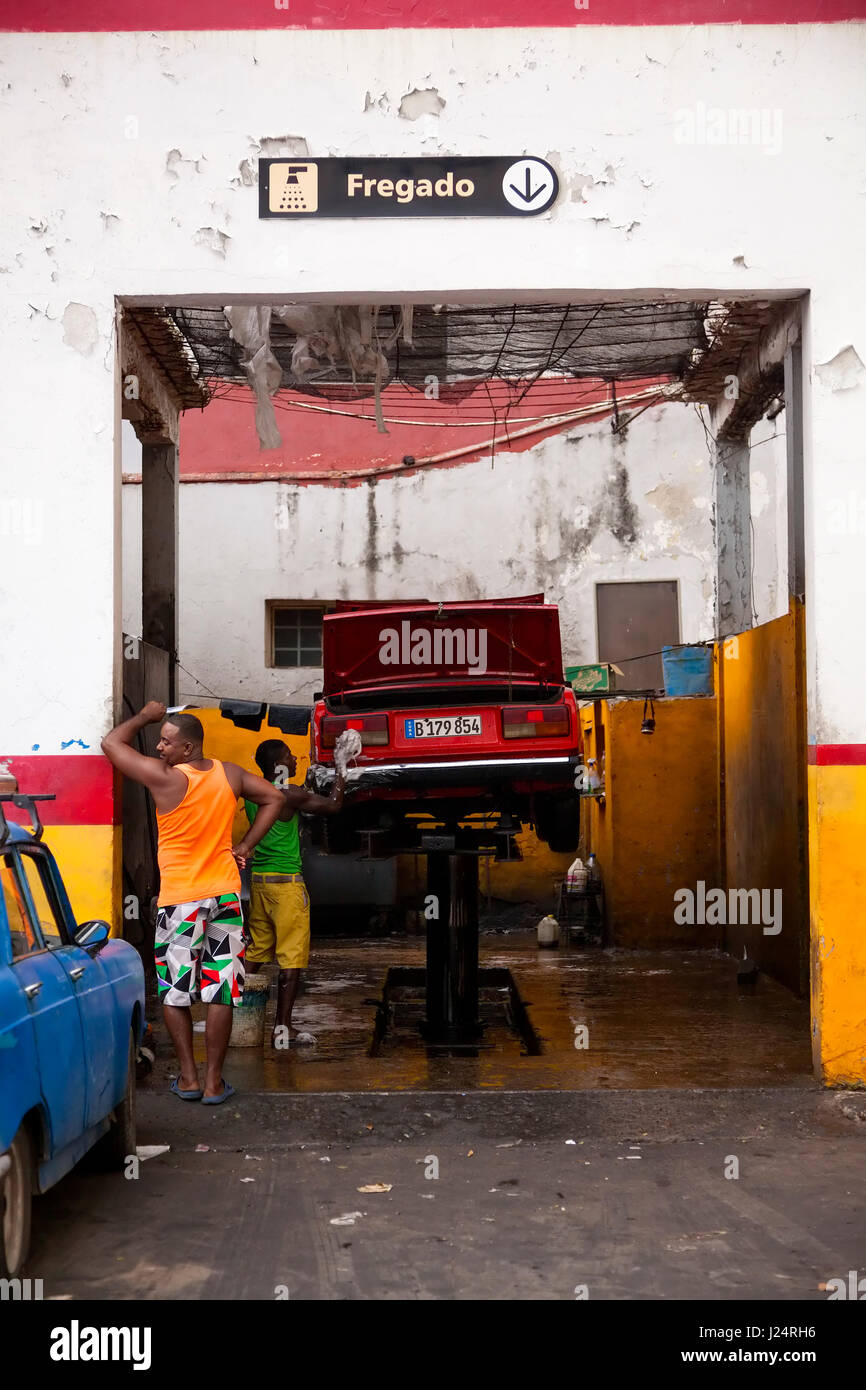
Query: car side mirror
90	934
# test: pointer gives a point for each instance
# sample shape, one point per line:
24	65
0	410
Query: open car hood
497	641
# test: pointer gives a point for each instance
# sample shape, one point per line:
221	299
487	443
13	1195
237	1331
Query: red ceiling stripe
101	16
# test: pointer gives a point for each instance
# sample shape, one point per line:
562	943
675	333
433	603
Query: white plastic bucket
248	1023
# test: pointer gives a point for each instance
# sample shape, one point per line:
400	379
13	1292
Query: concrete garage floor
510	1177
653	1019
637	1205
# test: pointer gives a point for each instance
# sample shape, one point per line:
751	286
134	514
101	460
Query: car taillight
373	728
522	721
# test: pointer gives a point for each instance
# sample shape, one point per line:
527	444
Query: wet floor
618	1020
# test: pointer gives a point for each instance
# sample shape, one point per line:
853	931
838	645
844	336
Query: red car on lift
462	711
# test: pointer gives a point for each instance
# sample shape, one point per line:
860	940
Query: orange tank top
195	839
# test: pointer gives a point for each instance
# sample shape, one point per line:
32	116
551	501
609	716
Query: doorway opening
634	462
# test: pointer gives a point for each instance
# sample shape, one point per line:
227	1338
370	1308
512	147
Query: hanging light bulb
649	724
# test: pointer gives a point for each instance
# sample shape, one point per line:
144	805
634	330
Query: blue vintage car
71	1018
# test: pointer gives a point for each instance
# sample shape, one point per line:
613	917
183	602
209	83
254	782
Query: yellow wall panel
837	833
86	857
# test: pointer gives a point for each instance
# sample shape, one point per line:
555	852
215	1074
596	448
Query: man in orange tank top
200	943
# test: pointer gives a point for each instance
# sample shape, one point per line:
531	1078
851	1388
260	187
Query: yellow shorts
279	924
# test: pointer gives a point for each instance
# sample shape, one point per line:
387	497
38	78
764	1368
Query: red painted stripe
220	443
83	786
115	16
837	754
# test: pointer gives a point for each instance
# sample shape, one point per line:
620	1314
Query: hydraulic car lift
452	977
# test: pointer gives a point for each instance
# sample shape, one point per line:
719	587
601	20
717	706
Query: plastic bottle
548	931
592	868
575	879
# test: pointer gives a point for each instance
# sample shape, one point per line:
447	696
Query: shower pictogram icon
293	188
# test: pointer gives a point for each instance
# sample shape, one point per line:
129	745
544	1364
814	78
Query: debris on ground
146	1151
376	1187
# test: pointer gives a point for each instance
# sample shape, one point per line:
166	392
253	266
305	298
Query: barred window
295	635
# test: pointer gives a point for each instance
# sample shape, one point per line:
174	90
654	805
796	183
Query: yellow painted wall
532	878
760	677
86	856
837	883
657	829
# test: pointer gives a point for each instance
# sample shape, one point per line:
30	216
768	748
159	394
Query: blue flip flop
227	1090
184	1095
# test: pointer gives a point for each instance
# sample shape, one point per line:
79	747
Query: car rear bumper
547	770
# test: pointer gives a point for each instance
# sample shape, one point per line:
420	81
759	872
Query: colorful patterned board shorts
199	951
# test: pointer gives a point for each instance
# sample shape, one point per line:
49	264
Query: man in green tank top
279	920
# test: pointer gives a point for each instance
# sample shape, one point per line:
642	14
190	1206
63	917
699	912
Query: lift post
452	950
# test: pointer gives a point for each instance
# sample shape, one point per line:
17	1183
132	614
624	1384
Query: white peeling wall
768	483
131	166
59	581
578	509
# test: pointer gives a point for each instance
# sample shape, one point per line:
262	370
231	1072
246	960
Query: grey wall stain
624	519
371	557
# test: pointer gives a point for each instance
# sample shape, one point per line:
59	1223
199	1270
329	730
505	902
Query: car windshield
45	912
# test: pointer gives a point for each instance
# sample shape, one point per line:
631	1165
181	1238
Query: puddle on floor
652	1019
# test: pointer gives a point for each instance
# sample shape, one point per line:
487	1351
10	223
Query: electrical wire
239	394
620	661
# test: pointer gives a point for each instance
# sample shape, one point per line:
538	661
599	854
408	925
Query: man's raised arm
299	799
116	746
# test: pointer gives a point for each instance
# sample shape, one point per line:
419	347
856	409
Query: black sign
519	186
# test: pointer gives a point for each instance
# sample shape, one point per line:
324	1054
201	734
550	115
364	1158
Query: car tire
16	1200
563	827
115	1147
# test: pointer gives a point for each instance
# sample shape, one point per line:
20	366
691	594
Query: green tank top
278	852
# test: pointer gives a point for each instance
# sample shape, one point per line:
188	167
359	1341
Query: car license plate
455	726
